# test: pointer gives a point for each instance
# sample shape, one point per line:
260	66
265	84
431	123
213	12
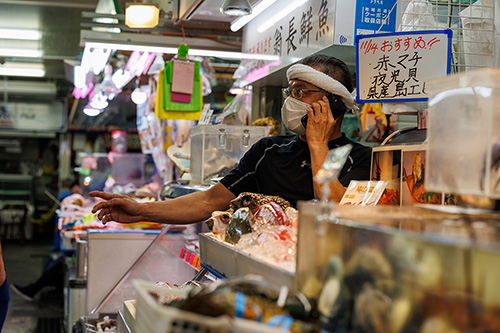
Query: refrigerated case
393	269
115	259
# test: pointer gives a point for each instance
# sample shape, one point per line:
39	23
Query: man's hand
118	208
320	130
320	123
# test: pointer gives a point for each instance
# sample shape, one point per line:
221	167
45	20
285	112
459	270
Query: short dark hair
331	66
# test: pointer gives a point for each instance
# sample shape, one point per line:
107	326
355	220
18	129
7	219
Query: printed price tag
363	193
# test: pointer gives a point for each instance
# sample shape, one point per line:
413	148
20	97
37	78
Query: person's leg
4	292
53	275
4	302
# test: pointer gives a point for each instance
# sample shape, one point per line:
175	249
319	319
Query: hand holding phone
336	105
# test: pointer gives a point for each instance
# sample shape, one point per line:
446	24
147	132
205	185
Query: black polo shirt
281	165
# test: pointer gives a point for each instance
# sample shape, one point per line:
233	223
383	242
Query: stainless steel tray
232	262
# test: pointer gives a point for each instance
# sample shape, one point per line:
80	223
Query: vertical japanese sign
288	30
373	16
394	67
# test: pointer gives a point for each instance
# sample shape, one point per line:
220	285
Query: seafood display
388	274
255	200
253	299
261	225
238	225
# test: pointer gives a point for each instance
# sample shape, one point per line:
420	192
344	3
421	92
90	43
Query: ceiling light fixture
236	8
90	111
192	52
138	95
121	77
108	87
84	91
141	15
139	63
79	76
256	10
27	53
95	58
99	101
23	34
157	65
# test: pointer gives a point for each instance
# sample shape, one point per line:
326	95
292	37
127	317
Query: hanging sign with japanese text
285	32
394	67
373	16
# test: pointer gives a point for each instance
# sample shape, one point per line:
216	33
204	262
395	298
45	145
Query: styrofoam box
216	149
463	152
153	317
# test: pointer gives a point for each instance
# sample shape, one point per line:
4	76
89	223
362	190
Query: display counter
387	269
114	259
370	269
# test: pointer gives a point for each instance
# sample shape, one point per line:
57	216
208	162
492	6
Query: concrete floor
24	264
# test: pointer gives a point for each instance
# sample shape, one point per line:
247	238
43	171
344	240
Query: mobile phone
336	105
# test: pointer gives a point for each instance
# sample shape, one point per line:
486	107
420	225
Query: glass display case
392	269
109	281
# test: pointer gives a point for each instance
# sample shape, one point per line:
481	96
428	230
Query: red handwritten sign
394	67
409	43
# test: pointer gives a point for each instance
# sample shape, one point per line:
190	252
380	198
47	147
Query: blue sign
373	16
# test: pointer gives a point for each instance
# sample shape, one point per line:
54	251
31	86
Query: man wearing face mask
320	88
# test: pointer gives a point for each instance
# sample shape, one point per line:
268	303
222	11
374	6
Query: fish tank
394	269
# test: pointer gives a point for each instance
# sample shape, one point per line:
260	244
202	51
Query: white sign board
394	67
289	30
33	116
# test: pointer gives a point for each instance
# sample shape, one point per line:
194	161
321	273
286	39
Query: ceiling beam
213	28
156	40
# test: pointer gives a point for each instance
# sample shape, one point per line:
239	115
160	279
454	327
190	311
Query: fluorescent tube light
22	71
23	34
28	53
281	14
259	8
192	52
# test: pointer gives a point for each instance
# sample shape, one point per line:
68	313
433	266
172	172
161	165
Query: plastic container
128	168
153	317
216	149
463	152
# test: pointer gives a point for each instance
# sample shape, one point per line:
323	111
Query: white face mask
292	113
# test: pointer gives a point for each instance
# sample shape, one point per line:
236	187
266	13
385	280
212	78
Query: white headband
323	81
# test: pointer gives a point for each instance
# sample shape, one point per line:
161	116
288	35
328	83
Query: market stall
418	266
